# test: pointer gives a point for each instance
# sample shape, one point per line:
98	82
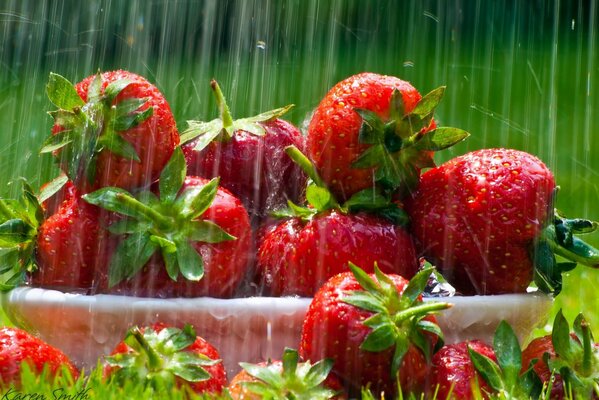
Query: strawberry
453	374
372	128
248	156
473	369
162	357
18	347
286	379
55	192
73	245
375	327
485	218
566	362
299	254
111	129
188	226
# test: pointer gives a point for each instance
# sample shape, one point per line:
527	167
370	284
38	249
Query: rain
519	74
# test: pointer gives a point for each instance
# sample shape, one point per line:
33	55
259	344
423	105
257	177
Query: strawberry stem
305	164
154	359
421	309
587	346
139	207
225	113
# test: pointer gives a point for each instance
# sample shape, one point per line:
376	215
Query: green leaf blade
62	93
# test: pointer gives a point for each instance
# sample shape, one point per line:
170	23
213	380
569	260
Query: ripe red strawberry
248	156
369	128
374	327
190	239
18	347
285	379
486	218
162	357
473	369
453	374
567	356
111	129
297	257
73	245
299	254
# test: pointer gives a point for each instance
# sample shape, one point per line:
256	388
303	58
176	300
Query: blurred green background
519	74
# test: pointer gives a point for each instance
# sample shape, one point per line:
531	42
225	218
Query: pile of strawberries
252	206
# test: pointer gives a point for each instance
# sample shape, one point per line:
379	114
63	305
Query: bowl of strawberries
246	228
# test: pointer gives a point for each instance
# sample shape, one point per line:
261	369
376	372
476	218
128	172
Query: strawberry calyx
505	376
20	220
320	198
296	380
158	358
223	128
560	238
398	319
168	223
401	146
88	128
577	357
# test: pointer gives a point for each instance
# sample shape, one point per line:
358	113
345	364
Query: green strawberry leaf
128	106
372	128
319	372
267	375
363	279
126	226
121	360
120	201
364	301
128	121
371	157
508	353
560	337
429	102
440	139
196	202
416	286
167	246
290	360
172	177
487	368
190	262
171	263
402	345
191	373
207	232
380	338
62	93
205	132
318	197
94	90
68	120
118	145
130	257
52	187
114	89
58	141
268	115
397	108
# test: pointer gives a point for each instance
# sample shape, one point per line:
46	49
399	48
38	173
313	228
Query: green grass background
519	74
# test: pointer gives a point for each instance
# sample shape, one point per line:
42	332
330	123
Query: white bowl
249	329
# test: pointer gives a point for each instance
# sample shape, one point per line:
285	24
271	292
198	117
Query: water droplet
261	45
407	64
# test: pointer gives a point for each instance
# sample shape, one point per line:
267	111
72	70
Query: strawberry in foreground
375	327
375	128
191	239
473	369
486	219
163	357
248	156
18	347
73	246
297	255
566	362
286	379
111	129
